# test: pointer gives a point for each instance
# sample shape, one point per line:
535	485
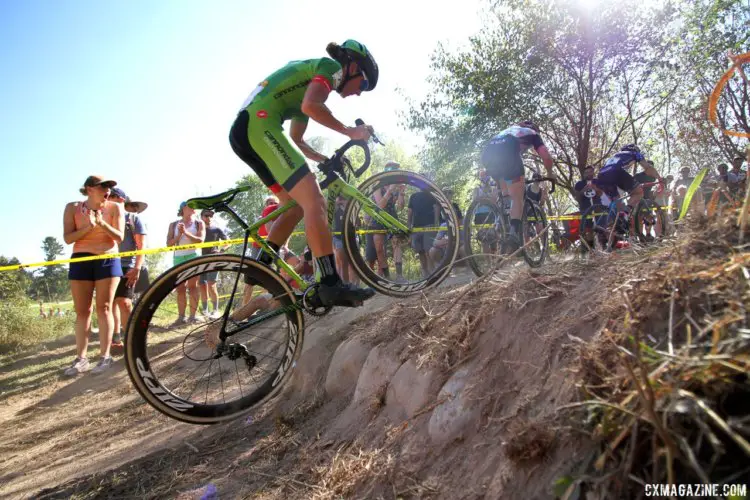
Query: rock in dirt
376	373
345	367
307	375
451	418
408	391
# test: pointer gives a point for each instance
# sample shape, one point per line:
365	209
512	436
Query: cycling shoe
343	294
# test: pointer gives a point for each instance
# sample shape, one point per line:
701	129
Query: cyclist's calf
635	196
284	225
307	194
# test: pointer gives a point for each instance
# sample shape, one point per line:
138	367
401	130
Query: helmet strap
347	77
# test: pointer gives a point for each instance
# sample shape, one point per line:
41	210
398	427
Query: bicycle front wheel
596	228
650	222
483	235
177	363
398	263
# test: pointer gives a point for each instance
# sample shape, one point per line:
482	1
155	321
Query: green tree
13	284
156	264
707	31
50	282
592	80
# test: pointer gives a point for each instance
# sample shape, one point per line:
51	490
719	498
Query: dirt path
56	429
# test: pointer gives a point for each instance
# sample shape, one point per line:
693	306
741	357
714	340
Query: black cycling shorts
608	181
502	160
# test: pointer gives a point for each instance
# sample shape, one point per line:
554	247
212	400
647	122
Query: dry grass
666	384
530	443
348	471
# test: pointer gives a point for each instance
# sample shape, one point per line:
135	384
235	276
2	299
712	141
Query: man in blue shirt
134	238
585	194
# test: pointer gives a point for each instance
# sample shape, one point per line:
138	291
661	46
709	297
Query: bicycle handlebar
542	179
359	122
339	163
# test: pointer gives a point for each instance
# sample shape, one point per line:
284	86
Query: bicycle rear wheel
596	228
483	235
406	263
175	366
534	223
650	221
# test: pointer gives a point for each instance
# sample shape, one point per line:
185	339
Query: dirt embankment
472	392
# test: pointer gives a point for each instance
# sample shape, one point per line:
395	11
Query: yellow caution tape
192	246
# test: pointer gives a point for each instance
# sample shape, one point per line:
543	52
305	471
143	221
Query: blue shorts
338	243
609	180
206	277
94	270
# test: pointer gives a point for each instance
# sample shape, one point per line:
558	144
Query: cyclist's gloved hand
359	133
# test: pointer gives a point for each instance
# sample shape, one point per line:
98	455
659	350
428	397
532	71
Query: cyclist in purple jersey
614	175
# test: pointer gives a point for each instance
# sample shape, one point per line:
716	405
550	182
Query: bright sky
144	92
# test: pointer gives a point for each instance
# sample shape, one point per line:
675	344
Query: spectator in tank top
95	227
207	281
184	231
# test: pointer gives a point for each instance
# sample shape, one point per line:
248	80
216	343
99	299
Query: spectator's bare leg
116	316
105	294
397	257
424	263
181	300
354	279
247	294
192	286
434	256
121	313
379	240
82	292
213	294
203	287
263	301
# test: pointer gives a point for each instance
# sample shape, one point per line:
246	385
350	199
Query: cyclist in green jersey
297	92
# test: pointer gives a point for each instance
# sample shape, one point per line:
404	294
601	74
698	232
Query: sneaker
216	314
79	366
345	295
117	339
117	346
178	323
103	365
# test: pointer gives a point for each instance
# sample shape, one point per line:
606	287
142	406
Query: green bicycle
217	370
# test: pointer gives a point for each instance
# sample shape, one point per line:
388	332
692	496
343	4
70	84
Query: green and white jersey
281	94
